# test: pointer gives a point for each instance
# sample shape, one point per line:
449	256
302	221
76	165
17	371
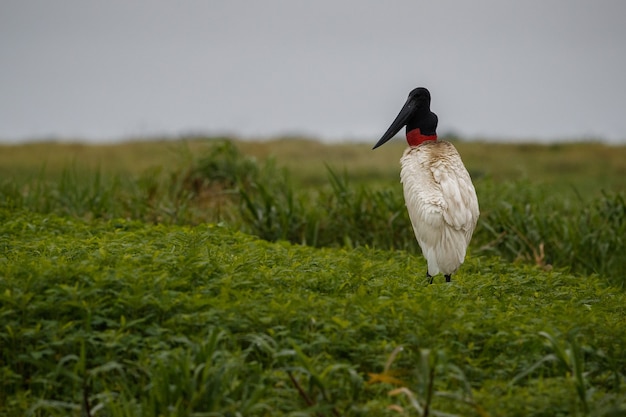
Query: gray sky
332	69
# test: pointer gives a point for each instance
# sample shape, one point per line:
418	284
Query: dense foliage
226	287
519	220
123	318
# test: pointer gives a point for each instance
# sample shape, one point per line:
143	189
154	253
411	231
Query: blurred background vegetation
559	205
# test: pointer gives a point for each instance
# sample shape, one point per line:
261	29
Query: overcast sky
331	69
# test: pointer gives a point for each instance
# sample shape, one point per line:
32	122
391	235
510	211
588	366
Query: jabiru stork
438	191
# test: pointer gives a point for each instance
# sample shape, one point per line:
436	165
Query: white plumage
442	203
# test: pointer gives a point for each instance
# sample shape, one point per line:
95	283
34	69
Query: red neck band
415	137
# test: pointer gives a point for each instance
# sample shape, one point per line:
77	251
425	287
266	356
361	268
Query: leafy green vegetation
124	318
520	221
229	284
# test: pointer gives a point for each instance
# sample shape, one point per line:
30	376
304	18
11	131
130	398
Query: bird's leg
429	276
447	278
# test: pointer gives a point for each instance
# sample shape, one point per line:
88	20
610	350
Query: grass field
590	167
206	278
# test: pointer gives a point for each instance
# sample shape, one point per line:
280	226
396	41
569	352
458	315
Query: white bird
438	191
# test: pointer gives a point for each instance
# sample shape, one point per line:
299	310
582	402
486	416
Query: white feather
442	203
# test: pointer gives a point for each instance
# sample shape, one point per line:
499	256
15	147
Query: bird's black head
415	114
421	95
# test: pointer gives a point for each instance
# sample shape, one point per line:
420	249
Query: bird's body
441	202
438	191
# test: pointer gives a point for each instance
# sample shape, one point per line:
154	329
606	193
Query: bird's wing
457	191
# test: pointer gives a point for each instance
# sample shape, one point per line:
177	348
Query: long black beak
398	123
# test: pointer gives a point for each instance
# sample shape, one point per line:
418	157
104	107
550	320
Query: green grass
520	220
126	318
587	167
213	278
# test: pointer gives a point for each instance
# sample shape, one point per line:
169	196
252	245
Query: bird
438	191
